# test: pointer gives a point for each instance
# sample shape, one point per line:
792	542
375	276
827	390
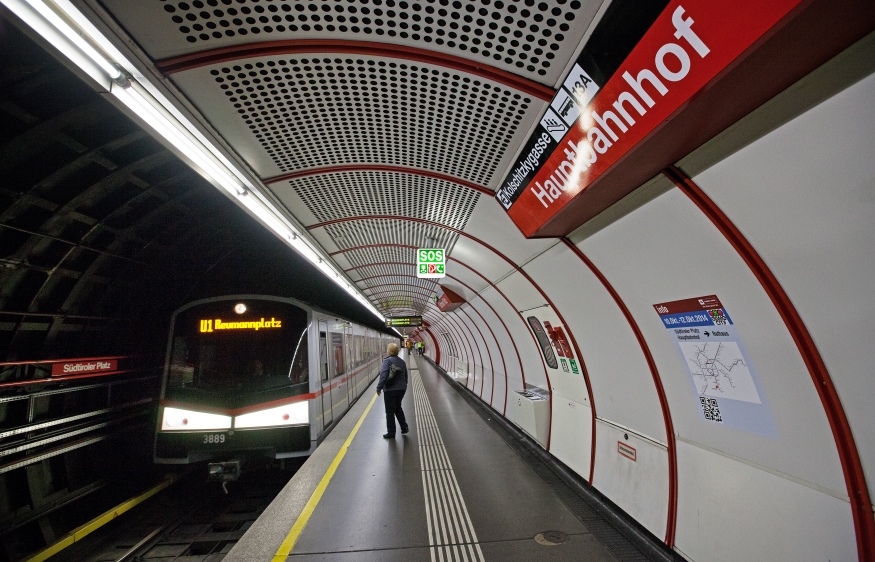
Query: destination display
403	321
211	325
591	125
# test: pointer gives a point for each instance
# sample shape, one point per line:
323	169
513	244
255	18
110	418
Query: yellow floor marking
79	533
286	547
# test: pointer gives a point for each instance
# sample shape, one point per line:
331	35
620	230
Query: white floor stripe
451	535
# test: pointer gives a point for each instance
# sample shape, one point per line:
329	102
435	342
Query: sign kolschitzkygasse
589	127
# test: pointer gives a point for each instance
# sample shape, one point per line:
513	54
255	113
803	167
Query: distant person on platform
420	347
392	385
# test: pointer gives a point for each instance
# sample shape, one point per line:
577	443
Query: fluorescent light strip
57	22
155	119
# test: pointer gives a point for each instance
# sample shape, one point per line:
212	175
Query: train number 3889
214	438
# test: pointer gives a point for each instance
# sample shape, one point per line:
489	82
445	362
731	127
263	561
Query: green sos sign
431	262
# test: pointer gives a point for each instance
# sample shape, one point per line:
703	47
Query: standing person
420	346
393	390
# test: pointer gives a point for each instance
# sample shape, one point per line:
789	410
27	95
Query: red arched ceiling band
855	479
379	168
380	263
407	291
671	522
366	48
452	332
437	349
488	354
466	342
501	353
500	319
344	250
522	272
395	275
500	292
472	344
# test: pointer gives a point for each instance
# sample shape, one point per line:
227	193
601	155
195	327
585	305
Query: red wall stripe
855	479
367	48
671	520
378	168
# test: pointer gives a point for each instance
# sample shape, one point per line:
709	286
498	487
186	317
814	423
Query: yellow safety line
286	547
81	532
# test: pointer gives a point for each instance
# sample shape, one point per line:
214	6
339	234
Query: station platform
452	489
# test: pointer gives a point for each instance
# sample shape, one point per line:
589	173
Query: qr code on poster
710	409
718	317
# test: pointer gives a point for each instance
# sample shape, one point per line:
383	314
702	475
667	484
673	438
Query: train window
337	354
323	356
224	358
359	352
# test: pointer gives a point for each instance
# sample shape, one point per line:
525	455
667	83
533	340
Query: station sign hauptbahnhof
404	321
604	110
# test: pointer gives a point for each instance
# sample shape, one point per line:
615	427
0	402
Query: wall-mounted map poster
724	380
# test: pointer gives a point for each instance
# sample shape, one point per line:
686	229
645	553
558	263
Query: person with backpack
392	385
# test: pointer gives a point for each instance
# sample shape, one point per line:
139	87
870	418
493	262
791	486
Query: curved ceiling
366	110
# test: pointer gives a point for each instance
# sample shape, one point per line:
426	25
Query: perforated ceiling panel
387	277
339	195
527	37
382	254
387	231
290	113
384	267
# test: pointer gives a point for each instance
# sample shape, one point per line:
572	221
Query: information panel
403	321
431	263
724	380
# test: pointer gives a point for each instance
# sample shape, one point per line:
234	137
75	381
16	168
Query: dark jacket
400	380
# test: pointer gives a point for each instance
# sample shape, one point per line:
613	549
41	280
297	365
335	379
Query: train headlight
290	414
175	419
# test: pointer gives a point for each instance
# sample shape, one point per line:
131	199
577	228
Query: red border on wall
671	520
855	479
367	48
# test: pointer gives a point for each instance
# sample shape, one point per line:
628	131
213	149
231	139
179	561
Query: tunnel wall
797	179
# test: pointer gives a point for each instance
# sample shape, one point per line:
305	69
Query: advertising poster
726	385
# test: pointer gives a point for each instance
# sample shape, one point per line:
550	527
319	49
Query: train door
324	374
352	361
339	398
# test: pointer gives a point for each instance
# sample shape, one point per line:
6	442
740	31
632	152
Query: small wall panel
731	511
571	438
639	486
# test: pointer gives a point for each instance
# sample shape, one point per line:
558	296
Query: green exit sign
431	262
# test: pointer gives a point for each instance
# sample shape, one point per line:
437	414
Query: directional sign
431	263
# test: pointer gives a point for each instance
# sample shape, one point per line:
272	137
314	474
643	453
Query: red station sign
690	47
82	367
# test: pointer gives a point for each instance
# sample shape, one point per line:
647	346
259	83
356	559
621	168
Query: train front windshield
238	353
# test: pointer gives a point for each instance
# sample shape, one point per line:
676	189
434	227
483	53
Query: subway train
258	376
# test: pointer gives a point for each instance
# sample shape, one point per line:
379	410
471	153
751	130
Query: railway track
192	520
